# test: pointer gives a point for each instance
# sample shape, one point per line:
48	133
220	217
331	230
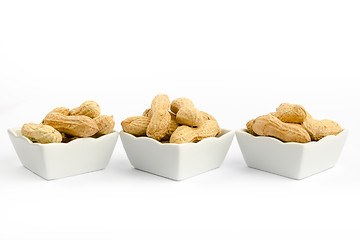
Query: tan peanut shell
160	117
189	116
173	126
290	113
105	124
136	125
207	116
249	127
147	112
178	103
88	108
268	125
62	110
41	133
186	134
319	129
79	125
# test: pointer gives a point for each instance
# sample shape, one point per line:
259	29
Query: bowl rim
75	141
224	132
243	131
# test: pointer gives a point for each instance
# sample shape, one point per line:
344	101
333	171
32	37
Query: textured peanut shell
105	124
88	108
319	129
160	117
147	112
136	125
249	127
173	123
290	113
62	110
173	126
268	125
78	126
178	103
41	133
207	116
186	134
189	116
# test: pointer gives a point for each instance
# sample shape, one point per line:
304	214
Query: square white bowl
59	160
291	159
176	161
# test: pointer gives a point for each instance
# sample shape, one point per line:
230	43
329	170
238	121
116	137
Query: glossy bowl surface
293	160
176	161
59	160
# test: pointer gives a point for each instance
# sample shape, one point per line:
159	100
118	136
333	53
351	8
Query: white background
234	59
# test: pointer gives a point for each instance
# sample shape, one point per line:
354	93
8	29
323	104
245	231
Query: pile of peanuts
175	122
292	123
64	125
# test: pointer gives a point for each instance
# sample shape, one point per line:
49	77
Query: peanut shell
78	126
105	124
189	116
319	129
136	125
88	108
160	117
178	103
268	125
186	134
290	113
41	133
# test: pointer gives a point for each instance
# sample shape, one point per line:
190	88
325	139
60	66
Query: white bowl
293	160
176	161
58	160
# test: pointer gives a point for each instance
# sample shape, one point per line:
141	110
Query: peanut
63	110
268	125
207	116
88	108
79	126
147	112
185	112
190	116
186	134
136	125
41	133
105	124
320	128
173	126
160	117
204	115
178	103
290	113
249	127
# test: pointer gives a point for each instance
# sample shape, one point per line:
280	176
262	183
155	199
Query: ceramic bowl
293	160
59	160
176	161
